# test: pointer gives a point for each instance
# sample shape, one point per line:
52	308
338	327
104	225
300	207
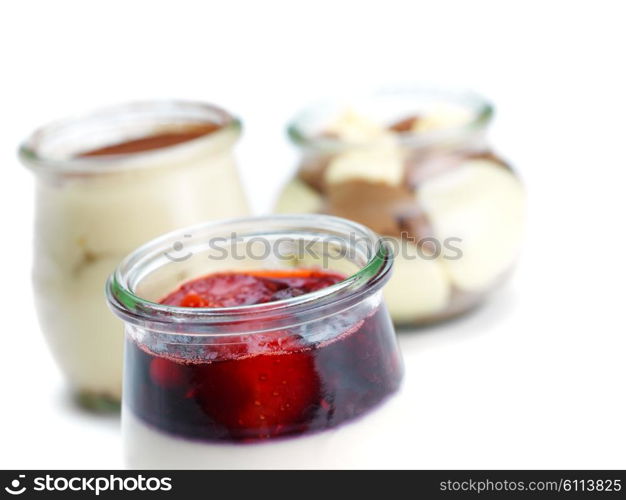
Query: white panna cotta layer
366	442
86	225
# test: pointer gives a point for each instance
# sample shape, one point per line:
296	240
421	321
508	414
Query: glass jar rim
31	154
207	321
482	113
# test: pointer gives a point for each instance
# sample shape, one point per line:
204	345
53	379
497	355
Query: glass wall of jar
414	165
209	385
107	182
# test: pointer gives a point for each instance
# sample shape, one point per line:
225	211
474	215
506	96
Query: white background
534	379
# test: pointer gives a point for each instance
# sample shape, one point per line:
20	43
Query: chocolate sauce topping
152	142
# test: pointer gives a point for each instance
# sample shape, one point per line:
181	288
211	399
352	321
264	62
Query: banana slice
298	197
378	157
352	127
377	164
483	204
441	117
418	287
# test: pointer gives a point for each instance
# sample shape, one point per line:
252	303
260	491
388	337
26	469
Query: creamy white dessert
418	287
367	442
91	212
382	163
298	197
482	204
353	127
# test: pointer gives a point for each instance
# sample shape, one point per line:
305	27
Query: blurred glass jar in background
107	182
414	165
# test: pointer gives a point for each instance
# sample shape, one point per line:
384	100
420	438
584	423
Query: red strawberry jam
255	287
263	385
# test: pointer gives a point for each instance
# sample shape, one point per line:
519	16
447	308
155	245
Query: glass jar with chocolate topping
414	165
106	183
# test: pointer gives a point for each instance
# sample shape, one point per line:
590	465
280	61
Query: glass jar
107	182
261	385
414	165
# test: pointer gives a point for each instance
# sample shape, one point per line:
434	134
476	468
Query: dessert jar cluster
238	355
414	165
106	183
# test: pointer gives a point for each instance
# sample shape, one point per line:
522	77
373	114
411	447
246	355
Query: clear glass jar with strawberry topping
414	165
107	182
256	343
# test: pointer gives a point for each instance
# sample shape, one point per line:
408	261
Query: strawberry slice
258	385
167	373
261	396
192	299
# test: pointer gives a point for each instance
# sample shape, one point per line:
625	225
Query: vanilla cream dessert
415	168
107	183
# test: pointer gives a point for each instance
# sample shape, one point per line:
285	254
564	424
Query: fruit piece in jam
263	385
253	287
